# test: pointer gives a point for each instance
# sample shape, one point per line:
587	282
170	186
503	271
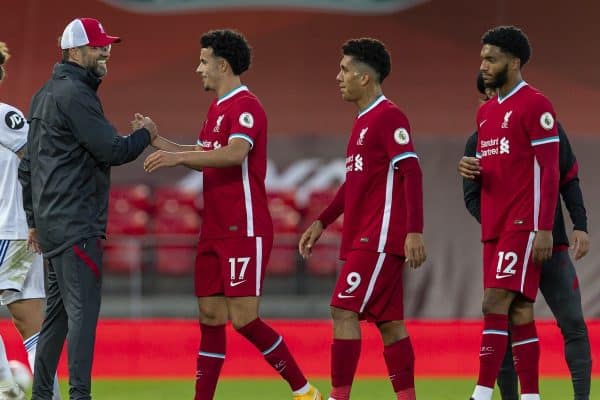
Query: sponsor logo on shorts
344	296
233	284
498	276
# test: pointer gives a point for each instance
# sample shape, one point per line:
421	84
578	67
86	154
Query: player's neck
510	84
228	85
369	98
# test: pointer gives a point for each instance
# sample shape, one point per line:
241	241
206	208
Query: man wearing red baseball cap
86	32
65	174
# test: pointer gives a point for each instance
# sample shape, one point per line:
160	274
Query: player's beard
499	79
99	69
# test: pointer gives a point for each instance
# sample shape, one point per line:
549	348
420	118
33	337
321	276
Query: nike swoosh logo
343	296
482	122
484	354
232	284
503	276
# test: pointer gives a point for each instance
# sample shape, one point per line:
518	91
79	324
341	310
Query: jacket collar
70	70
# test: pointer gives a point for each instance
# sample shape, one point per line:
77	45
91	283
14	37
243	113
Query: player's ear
223	65
365	78
515	63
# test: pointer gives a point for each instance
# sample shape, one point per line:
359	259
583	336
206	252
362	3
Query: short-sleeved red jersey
235	200
375	210
509	130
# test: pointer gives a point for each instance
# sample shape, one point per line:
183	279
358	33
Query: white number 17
243	261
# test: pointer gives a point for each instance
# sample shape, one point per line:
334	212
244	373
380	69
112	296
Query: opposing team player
237	231
518	151
382	203
21	269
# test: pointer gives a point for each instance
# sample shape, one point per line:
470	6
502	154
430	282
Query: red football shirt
376	210
235	200
512	133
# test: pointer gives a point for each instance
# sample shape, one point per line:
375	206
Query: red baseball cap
86	31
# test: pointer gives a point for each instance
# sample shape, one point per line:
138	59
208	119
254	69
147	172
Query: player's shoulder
390	112
247	101
11	117
535	98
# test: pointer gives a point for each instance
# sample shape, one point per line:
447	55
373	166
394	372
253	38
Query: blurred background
155	219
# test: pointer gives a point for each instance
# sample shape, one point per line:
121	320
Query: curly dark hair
511	40
371	52
231	45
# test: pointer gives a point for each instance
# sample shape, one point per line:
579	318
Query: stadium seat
138	196
123	256
286	219
171	196
324	260
176	230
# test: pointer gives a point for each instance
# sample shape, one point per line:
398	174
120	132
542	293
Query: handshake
141	121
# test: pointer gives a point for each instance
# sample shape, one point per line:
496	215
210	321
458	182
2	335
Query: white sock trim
530	396
303	390
482	393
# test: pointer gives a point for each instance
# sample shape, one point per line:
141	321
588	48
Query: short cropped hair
511	40
371	52
230	45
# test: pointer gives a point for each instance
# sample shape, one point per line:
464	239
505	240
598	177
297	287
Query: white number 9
353	280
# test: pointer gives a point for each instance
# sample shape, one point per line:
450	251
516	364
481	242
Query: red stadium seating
176	229
286	220
168	196
138	196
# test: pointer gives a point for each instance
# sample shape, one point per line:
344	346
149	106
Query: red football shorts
508	264
370	284
233	267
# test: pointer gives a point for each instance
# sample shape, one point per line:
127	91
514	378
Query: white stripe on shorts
526	259
258	263
374	277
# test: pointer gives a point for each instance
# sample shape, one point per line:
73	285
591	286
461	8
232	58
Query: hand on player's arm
469	168
580	244
227	156
32	241
542	246
414	250
309	238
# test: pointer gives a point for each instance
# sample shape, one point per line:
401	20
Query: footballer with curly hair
517	148
237	230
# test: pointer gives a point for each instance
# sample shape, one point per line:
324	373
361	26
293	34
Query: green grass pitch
274	389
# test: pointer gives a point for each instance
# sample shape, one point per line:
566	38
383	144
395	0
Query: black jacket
569	189
65	172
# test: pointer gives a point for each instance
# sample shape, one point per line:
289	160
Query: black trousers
73	303
560	288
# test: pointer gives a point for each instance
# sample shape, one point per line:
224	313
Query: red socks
344	360
526	356
210	360
400	361
494	339
273	348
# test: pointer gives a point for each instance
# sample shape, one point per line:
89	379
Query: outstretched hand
160	159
